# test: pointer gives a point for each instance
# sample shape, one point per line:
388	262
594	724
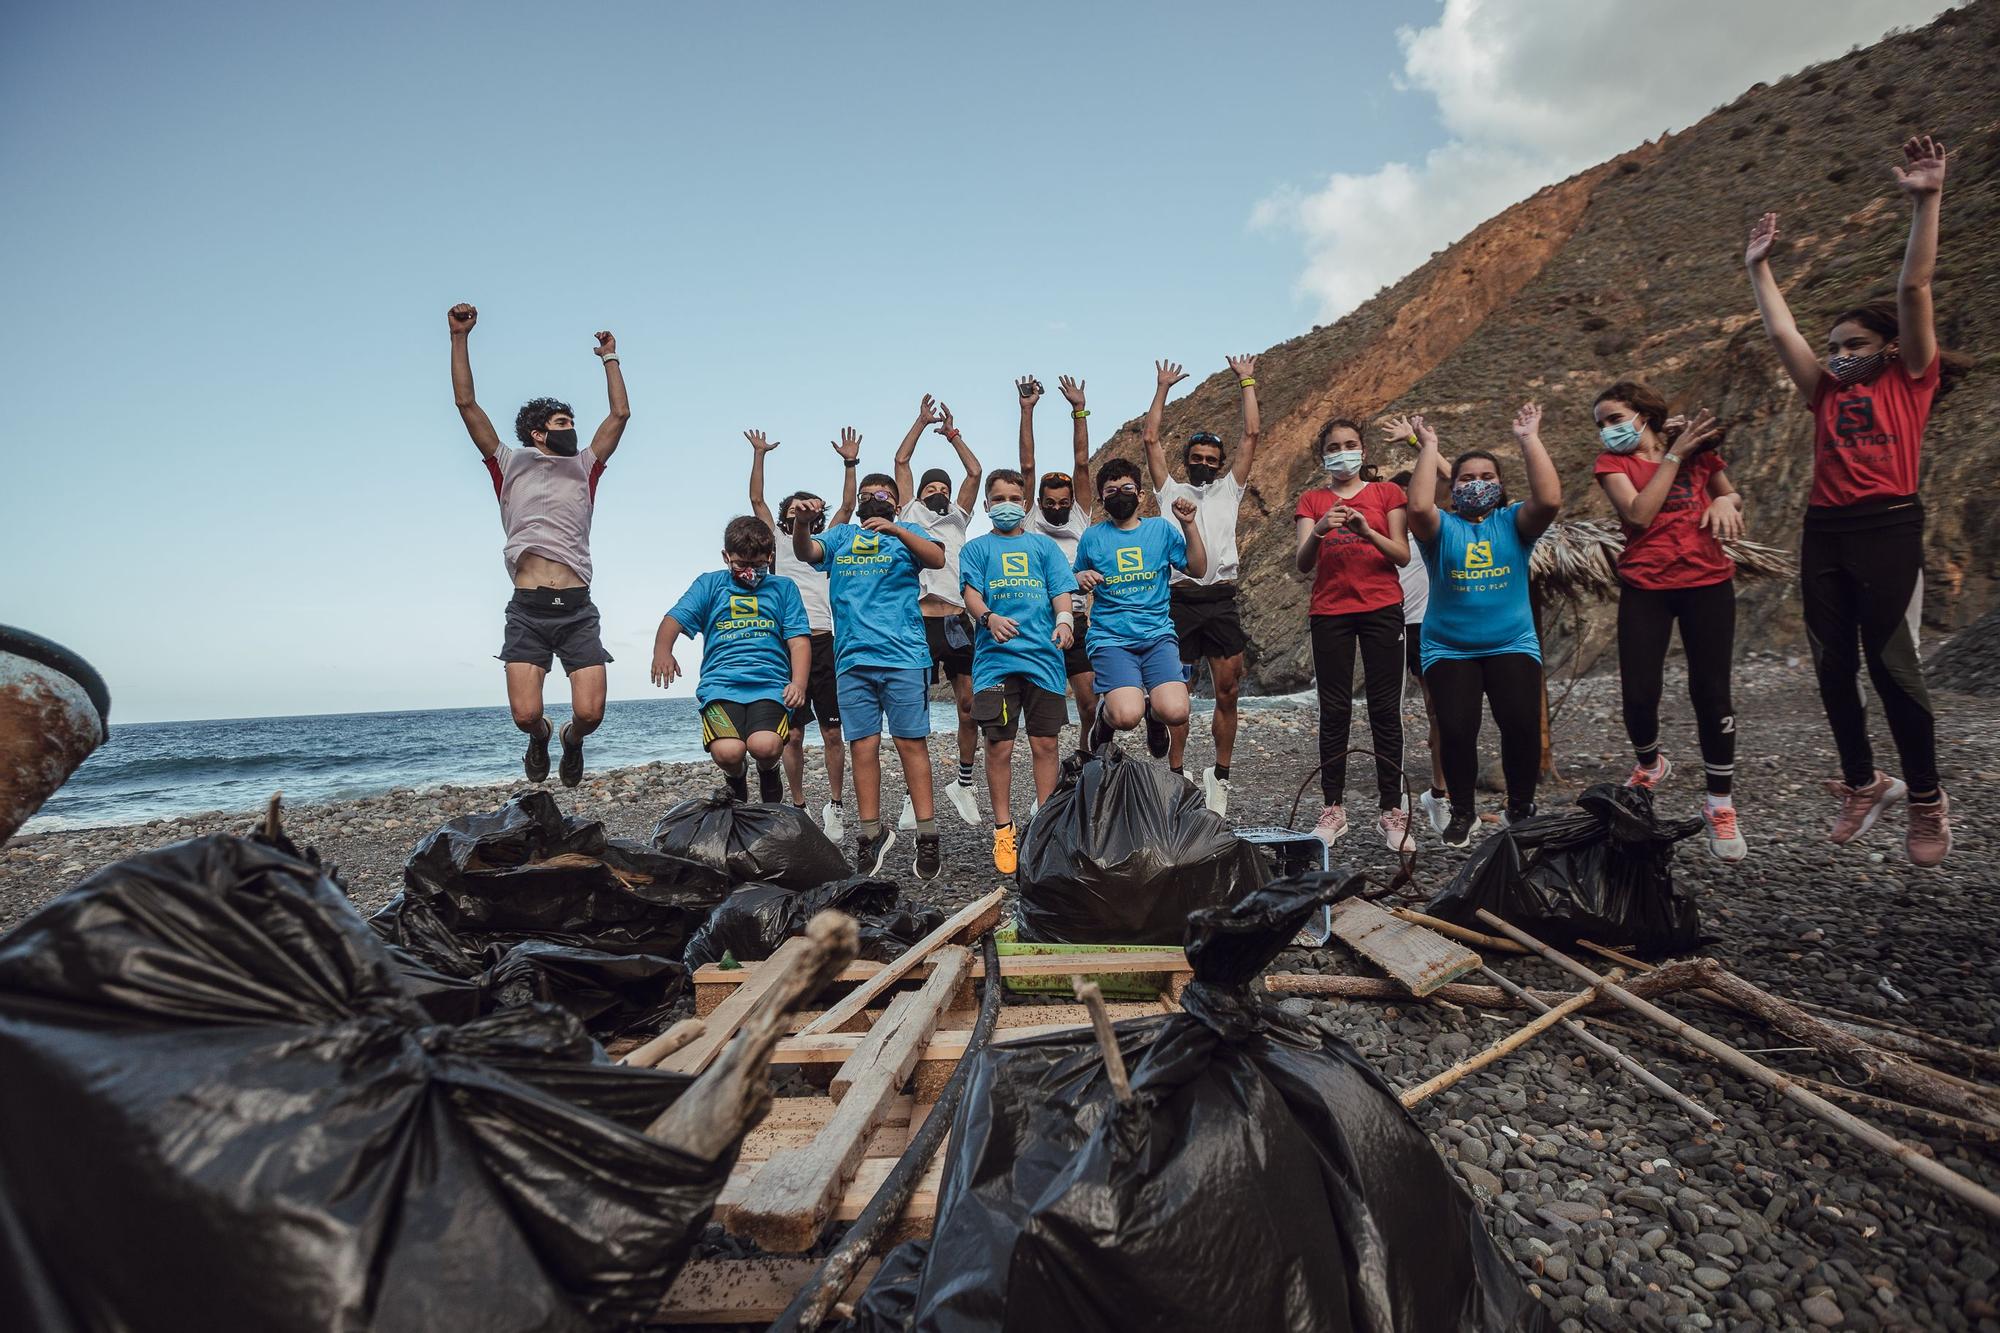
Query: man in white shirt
1204	609
1061	513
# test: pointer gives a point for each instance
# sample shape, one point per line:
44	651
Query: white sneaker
1437	809
1395	828
963	801
1725	835
1216	790
909	819
1332	825
829	819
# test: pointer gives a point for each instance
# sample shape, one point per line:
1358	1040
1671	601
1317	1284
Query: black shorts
1205	621
822	687
1076	658
727	720
950	639
998	709
1413	648
548	623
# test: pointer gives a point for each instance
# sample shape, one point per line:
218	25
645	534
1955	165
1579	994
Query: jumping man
1061	513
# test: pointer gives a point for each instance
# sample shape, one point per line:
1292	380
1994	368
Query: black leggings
1868	585
1379	634
1707	617
1512	684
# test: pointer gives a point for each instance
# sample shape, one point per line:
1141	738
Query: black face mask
937	504
1057	514
1200	474
562	442
1122	505
874	508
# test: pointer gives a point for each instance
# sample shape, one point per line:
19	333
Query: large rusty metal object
54	710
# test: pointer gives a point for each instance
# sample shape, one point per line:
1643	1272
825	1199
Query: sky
234	479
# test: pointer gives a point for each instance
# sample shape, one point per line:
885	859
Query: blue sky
234	477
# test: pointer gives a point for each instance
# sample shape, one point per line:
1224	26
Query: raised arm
1197	549
605	442
1639	506
1423	506
968	489
759	446
1545	489
1245	370
478	425
1031	393
906	481
1165	376
1079	444
848	446
1923	181
1794	352
808	548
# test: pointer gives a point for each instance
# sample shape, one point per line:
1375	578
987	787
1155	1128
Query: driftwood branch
1665	981
665	1044
1521	1036
1107	1040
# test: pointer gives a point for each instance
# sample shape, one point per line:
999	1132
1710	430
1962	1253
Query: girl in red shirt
1351	540
1861	556
1677	504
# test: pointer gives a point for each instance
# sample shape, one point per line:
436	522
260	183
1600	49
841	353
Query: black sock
1928	798
1008	824
739	785
964	775
1648	757
1222	772
1100	732
1179	773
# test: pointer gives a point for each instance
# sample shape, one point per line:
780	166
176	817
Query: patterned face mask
1473	498
1856	369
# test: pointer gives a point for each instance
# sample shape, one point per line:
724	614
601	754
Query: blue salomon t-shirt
743	632
872	582
1479	589
1130	606
1017	575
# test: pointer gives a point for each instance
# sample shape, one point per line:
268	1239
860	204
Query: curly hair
1117	469
534	416
785	507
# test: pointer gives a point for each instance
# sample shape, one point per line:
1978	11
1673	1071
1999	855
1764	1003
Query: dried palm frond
1755	560
1577	560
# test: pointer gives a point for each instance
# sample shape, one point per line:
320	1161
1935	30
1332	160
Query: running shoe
1332	825
1436	808
1650	778
1725	839
909	819
1515	814
1458	832
1216	790
1395	828
570	770
1861	806
1929	839
1004	859
929	861
535	763
962	800
829	819
870	853
1156	735
770	785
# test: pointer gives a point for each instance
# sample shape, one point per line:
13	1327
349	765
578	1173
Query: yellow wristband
1413	439
1080	413
1249	383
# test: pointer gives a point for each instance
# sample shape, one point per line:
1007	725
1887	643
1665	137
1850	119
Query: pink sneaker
1395	827
1332	825
1929	839
1725	839
1861	806
1650	778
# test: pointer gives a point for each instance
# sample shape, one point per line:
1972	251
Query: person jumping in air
1678	507
1479	632
1061	513
880	654
756	653
1861	555
934	511
822	702
547	490
1352	539
1205	619
1017	589
1416	583
1124	560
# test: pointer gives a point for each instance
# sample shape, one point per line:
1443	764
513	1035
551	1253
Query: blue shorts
1118	667
869	693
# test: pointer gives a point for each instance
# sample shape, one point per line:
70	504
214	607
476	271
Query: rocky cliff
1634	268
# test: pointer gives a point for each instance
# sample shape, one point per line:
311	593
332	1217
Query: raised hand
927	412
849	443
1243	366
1168	373
1701	433
1086	579
1724	517
606	344
1925	173
759	441
462	317
1031	390
1184	510
1763	236
1409	428
943	418
1528	422
1072	389
1002	628
665	668
806	509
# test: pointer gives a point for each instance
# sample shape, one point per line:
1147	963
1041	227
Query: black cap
934	474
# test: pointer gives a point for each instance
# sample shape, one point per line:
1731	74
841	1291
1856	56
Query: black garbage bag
223	1110
752	922
1122	852
1263	1178
1602	871
750	844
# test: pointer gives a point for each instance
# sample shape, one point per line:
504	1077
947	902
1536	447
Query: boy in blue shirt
756	650
1017	589
1134	653
881	656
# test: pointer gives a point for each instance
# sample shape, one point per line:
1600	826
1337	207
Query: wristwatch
850	462
984	616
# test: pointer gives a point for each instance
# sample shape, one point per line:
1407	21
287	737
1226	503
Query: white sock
1721	802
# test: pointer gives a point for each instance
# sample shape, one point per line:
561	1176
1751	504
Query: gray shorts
548	623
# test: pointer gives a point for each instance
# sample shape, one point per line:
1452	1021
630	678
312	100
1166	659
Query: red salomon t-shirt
1866	437
1352	575
1674	550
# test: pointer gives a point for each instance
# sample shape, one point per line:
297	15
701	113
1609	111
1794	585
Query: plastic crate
1292	853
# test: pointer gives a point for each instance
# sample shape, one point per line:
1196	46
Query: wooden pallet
715	984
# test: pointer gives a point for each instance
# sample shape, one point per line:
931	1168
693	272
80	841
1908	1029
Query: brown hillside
1635	268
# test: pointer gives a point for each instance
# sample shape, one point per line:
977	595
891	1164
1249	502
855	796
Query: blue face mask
1342	463
1006	516
1622	438
1473	498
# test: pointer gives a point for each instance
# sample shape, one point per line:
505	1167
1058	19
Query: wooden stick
650	1053
1477	939
1521	1036
1107	1040
970	922
1968	1191
1664	981
1702	1115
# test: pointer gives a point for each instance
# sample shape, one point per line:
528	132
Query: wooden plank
721	1024
744	1291
789	1200
1417	959
868	1178
798	1124
650	1053
713	983
969	922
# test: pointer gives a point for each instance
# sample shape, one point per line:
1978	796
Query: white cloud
1532	91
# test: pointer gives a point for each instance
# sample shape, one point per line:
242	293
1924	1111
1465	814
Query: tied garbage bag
1264	1177
223	1110
743	844
1122	851
752	922
1602	872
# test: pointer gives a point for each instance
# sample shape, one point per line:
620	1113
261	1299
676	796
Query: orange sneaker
1004	858
1725	839
1650	778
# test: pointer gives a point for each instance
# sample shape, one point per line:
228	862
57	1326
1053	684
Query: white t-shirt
1416	587
948	530
1065	535
811	583
1216	506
